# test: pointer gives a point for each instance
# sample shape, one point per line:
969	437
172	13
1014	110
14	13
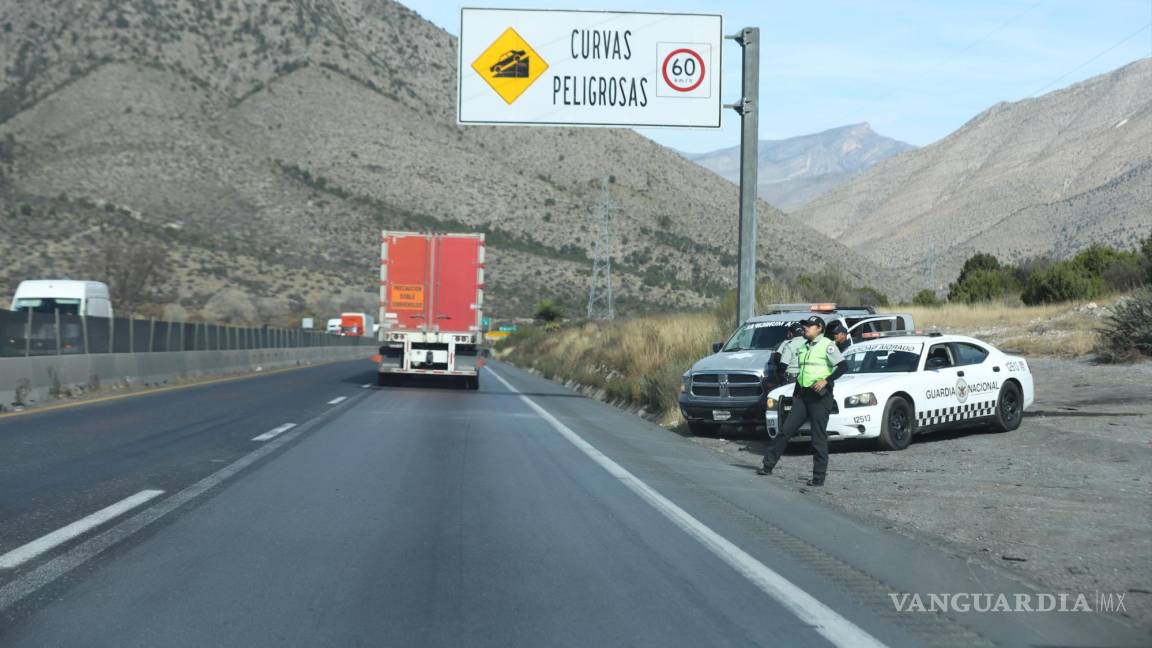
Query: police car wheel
1009	408
899	424
699	428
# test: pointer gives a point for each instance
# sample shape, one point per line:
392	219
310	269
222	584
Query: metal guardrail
29	333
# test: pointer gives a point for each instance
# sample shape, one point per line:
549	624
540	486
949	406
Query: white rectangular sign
589	68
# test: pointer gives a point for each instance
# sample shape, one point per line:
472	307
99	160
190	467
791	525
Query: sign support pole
749	110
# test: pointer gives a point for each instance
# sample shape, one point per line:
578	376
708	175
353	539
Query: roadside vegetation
1096	304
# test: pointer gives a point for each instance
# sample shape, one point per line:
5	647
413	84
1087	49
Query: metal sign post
749	110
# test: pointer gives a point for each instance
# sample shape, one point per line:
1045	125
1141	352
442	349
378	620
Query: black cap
796	328
836	327
813	321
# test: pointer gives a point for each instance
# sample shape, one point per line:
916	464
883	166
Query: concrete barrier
27	381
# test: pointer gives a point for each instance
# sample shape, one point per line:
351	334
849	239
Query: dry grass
639	361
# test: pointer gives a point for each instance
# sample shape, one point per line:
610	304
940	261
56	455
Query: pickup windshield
758	337
889	358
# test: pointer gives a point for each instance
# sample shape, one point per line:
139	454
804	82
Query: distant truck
431	306
333	326
357	324
70	297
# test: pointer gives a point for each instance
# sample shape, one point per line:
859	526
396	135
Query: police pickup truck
728	387
899	384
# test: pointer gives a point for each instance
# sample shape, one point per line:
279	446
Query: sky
914	70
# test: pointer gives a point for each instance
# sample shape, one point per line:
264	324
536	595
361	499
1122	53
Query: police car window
758	337
883	361
939	356
969	354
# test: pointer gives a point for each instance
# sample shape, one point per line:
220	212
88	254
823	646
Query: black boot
815	481
764	469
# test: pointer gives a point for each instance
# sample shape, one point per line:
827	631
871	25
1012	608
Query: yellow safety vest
814	362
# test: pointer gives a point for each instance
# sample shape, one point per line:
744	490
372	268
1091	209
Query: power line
1093	59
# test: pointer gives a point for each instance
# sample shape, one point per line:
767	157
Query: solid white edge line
337	400
23	554
274	432
830	624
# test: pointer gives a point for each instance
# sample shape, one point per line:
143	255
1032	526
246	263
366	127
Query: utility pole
749	109
600	305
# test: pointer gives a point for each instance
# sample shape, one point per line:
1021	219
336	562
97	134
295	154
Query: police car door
941	405
978	386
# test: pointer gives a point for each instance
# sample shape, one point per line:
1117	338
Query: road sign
485	322
511	328
589	68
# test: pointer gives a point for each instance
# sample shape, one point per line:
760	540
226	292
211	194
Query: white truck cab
70	297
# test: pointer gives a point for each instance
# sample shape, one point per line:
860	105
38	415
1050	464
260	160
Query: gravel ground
1062	503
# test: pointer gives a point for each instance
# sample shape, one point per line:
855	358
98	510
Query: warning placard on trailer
406	297
589	68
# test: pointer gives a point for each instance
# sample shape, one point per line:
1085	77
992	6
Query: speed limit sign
683	69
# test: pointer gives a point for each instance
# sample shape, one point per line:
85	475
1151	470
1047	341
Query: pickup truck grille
726	385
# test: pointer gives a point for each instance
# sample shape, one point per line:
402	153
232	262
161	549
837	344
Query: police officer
786	353
820	364
839	335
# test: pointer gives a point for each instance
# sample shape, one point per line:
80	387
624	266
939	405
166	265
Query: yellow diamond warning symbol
509	65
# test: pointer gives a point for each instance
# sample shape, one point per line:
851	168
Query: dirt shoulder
1062	503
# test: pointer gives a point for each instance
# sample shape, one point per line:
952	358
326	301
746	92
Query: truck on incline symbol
512	64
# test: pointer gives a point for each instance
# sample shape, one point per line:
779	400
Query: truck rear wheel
383	379
472	382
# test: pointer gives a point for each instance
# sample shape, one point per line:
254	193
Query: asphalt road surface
312	508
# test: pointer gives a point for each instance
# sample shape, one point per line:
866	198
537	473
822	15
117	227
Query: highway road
312	508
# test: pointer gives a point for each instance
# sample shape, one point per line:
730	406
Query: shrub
1126	335
927	297
983	285
547	311
1065	281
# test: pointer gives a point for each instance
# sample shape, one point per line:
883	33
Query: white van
333	326
88	298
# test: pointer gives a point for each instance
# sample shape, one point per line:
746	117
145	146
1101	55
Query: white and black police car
900	384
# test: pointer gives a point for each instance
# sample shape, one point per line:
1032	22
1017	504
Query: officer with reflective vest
785	359
820	364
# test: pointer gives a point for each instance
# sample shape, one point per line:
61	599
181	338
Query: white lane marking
274	432
337	400
21	555
367	386
14	591
831	625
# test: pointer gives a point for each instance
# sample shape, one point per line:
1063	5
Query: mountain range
265	144
1045	176
792	172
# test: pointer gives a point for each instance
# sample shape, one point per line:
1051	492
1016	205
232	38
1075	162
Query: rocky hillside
1049	175
795	171
266	143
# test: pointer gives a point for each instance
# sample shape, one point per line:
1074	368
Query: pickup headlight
770	403
861	400
685	382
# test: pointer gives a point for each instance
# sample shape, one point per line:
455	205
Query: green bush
1126	335
547	311
983	285
927	297
1064	281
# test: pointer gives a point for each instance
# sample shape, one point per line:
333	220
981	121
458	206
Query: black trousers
813	408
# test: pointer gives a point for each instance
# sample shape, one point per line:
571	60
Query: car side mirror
716	346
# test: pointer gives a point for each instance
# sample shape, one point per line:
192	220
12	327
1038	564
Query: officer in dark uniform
820	364
839	335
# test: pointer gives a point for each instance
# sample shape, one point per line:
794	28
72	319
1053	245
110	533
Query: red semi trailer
431	301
